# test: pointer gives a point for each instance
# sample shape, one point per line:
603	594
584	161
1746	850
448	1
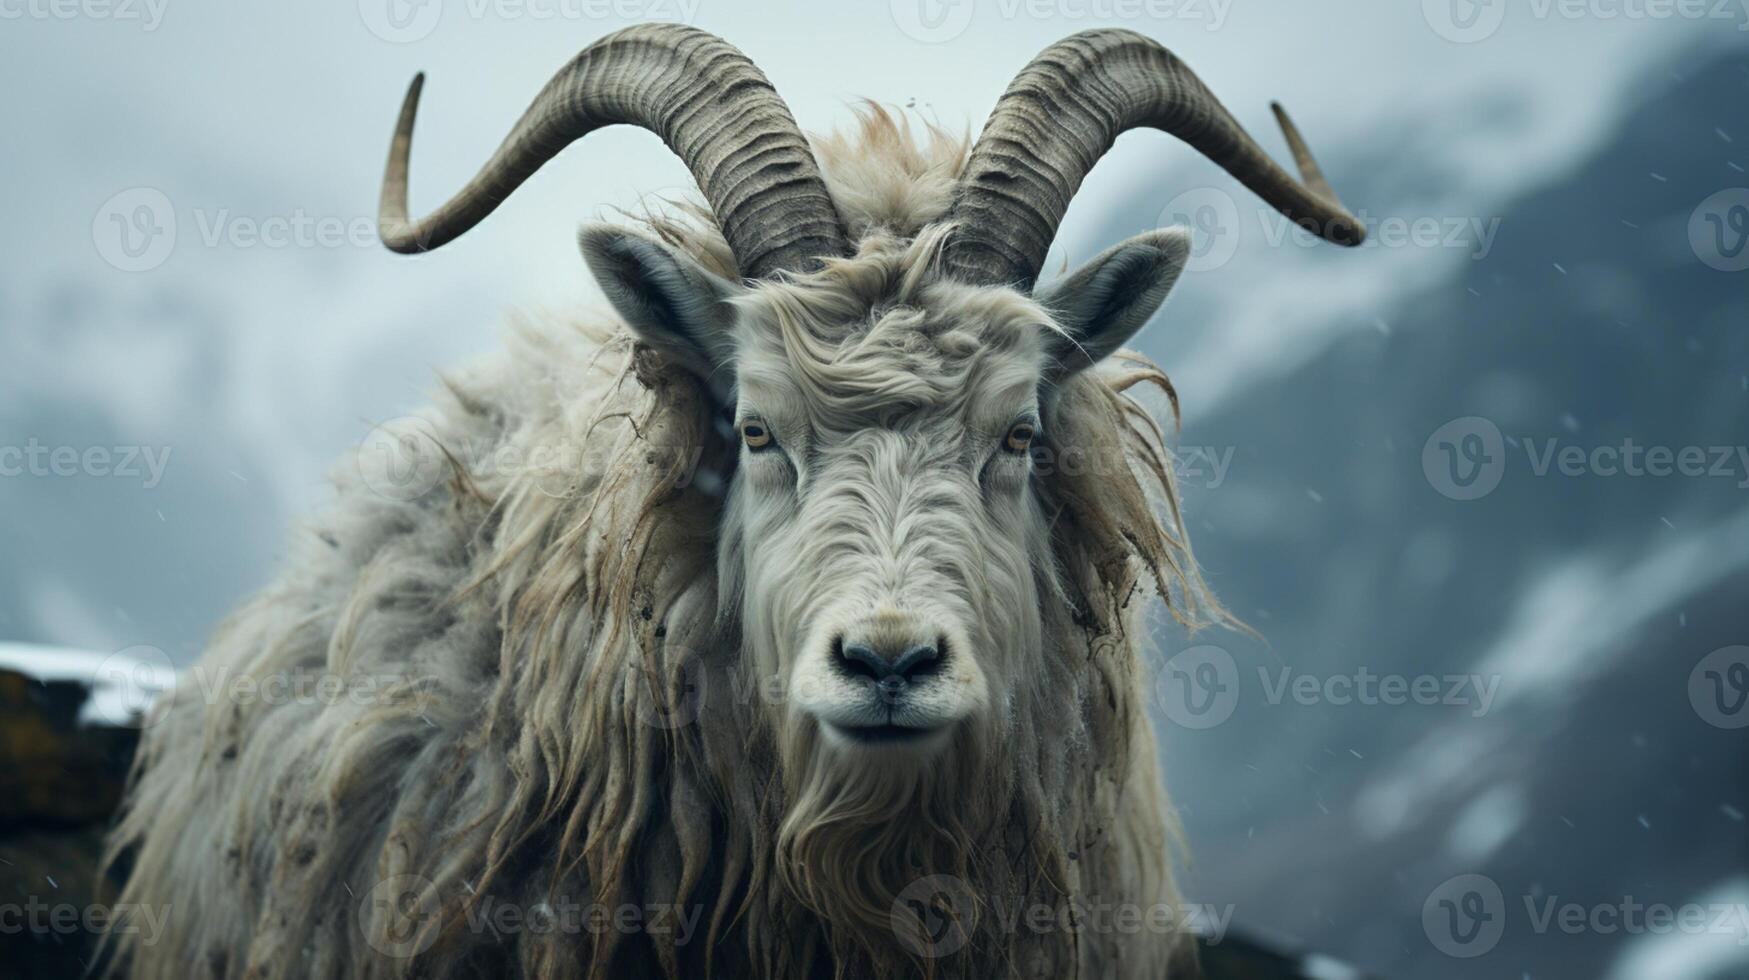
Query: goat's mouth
864	716
886	734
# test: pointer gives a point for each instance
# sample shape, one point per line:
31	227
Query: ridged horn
707	101
1064	111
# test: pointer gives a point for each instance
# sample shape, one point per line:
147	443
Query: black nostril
918	661
891	673
863	660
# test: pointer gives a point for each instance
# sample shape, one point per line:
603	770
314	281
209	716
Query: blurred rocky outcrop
69	724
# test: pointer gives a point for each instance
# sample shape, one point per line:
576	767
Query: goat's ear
667	299
1101	305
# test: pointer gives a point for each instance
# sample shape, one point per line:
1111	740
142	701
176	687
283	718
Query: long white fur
590	683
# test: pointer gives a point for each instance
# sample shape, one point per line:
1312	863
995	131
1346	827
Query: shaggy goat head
885	546
881	528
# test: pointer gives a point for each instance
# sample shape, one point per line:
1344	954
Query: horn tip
410	105
1285	121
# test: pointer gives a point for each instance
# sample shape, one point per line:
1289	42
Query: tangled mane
535	696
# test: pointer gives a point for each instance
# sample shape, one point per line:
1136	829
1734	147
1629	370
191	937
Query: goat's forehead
897	365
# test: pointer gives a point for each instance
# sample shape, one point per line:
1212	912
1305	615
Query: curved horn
1063	112
712	106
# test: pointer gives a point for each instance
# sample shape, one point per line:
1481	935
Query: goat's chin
887	745
865	821
851	769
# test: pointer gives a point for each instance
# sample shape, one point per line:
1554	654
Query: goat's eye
1019	438
756	435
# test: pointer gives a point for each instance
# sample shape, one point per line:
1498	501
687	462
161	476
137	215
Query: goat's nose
890	666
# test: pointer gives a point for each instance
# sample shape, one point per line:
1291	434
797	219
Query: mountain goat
818	654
